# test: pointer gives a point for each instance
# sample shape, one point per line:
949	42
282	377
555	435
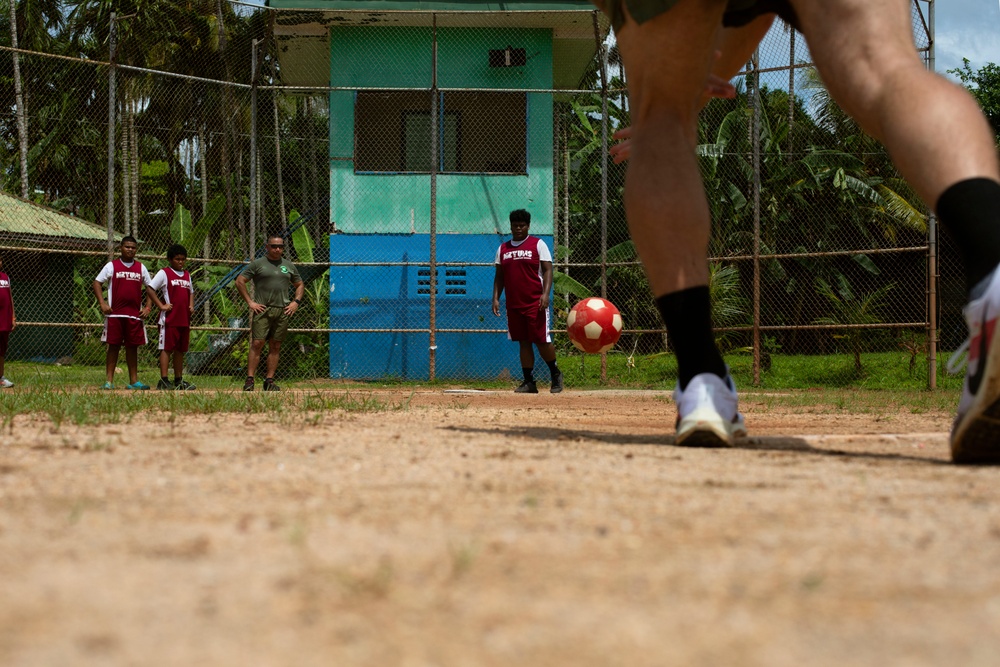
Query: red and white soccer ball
594	325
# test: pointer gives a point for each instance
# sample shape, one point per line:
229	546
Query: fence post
754	98
251	237
111	137
602	53
432	304
932	264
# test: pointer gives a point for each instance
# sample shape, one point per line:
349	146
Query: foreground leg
942	144
667	61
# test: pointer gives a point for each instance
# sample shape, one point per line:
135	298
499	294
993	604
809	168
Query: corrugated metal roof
21	217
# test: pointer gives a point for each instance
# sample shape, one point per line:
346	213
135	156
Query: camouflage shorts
738	12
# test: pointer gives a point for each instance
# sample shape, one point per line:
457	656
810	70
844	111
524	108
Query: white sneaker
5	383
707	414
975	435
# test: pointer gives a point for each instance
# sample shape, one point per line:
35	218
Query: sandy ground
494	529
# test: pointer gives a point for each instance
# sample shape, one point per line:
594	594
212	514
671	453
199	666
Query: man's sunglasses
277	245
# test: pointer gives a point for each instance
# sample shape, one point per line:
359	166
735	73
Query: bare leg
547	351
132	361
933	128
3	360
253	360
273	352
164	363
178	365
111	362
668	60
527	354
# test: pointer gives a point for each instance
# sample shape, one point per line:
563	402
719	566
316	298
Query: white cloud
967	29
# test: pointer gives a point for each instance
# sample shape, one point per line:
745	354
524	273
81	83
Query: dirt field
494	529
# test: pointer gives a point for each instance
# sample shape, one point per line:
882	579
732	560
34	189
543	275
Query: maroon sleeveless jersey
176	287
6	304
125	289
522	273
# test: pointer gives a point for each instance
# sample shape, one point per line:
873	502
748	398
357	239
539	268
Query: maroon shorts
529	325
4	338
124	331
174	339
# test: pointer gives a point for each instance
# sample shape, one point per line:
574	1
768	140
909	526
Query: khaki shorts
738	12
272	323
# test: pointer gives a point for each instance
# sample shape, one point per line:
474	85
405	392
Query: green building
441	123
36	244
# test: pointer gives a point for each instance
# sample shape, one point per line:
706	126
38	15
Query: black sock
529	374
268	380
177	379
970	210
553	368
165	378
688	316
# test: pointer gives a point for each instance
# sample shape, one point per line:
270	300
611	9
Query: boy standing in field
524	269
127	279
174	283
7	323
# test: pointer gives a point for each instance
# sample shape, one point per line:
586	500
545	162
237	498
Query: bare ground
494	529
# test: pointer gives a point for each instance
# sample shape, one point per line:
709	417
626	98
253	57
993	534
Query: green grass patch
68	405
71	395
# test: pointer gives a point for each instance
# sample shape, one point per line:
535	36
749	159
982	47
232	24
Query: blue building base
398	297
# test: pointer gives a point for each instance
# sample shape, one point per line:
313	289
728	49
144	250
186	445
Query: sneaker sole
977	438
707	431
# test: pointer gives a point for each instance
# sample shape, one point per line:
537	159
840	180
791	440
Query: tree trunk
277	161
22	117
227	109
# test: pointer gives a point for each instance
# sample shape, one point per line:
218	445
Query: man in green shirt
270	307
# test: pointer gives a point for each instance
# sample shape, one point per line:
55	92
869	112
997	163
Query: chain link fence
388	149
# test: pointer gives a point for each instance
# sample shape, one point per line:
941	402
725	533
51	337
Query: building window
478	132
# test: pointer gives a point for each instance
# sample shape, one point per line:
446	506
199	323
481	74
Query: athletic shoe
248	385
5	383
975	435
527	387
164	384
184	385
138	385
707	414
108	385
269	385
557	383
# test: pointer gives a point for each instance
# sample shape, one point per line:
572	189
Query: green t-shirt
272	280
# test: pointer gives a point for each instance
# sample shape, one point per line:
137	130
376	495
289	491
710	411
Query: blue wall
378	297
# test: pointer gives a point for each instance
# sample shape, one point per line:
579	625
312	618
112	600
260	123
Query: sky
967	29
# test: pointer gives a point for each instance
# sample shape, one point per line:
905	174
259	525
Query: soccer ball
594	325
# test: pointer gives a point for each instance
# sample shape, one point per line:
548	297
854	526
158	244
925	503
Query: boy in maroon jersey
123	311
174	284
7	323
524	269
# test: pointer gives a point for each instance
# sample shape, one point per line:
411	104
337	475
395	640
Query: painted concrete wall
394	57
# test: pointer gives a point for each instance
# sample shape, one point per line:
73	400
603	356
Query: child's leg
164	363
178	365
111	361
132	361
